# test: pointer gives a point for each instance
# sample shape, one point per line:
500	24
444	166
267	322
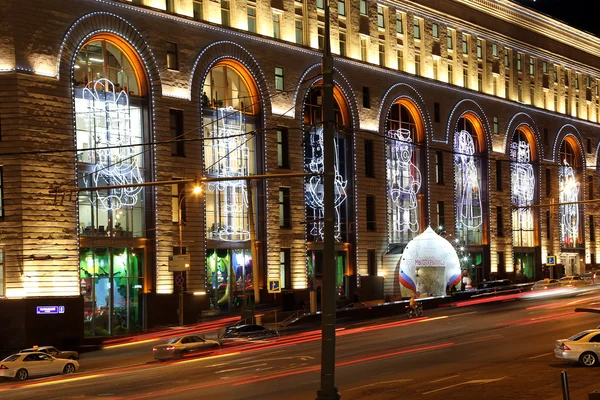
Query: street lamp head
197	189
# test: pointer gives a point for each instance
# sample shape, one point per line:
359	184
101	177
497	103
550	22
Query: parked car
573	281
24	365
180	346
546	284
53	351
583	348
248	331
503	286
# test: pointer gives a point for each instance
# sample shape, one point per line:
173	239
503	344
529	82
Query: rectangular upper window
399	24
197	9
371	214
450	39
363	7
251	19
479	49
465	44
282	148
279	76
341	8
176	129
417	28
172	59
276	26
531	66
369	158
435	31
284	208
299	31
494	49
519	66
380	17
285	268
320	4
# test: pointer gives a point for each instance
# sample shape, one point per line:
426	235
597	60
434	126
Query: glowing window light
106	116
314	186
404	181
467	185
228	156
568	189
523	190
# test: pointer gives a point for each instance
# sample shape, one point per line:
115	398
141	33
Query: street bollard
565	384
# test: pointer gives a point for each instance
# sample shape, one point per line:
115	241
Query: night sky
582	14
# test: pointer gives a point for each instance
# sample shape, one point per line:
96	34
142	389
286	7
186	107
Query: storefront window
403	164
569	191
111	284
469	187
110	131
313	163
523	186
231	110
230	277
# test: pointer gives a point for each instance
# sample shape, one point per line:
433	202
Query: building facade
487	132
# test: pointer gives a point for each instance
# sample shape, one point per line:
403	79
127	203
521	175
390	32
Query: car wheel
22	374
69	369
588	359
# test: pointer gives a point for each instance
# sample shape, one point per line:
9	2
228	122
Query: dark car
501	286
249	331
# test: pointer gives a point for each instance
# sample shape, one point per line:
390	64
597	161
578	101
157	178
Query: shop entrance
230	277
314	262
112	285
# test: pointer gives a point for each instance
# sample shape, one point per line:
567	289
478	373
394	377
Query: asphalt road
485	351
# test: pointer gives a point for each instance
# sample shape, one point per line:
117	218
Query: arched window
111	126
404	162
523	189
569	190
231	108
112	130
230	122
469	188
313	162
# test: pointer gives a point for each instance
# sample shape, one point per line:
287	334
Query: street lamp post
328	391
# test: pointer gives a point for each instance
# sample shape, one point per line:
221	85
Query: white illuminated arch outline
116	160
231	155
467	185
404	181
522	186
314	186
568	189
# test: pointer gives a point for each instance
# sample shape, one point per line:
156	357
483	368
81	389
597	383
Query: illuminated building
439	122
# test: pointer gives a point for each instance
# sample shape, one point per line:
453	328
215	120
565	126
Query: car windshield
14	357
174	340
578	336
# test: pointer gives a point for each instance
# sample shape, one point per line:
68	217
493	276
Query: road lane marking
481	339
541	355
473	382
461	314
240	368
444	379
380	383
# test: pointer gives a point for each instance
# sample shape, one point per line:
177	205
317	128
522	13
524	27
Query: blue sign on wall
50	309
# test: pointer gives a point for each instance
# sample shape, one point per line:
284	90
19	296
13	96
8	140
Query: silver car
546	284
24	365
180	346
583	348
53	351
